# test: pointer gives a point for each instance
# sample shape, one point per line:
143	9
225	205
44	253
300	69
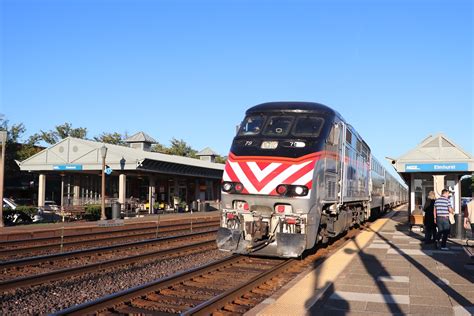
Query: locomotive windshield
252	125
309	126
278	125
283	135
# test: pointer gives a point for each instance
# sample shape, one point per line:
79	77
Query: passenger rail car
297	174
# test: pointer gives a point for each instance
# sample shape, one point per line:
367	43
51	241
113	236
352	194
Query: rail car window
348	137
278	126
252	125
309	126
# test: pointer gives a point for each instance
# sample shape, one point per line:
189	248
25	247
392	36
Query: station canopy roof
435	154
74	154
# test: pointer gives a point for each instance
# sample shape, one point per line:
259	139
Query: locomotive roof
295	107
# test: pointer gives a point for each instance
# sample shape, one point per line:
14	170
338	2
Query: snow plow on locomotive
297	174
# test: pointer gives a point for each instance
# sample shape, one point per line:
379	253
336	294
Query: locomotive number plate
269	145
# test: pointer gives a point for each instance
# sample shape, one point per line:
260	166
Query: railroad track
229	286
198	291
12	248
15	266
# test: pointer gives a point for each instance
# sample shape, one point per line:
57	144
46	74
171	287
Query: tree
220	159
14	150
467	186
159	148
60	132
111	138
180	148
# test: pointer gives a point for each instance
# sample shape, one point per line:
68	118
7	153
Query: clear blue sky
396	70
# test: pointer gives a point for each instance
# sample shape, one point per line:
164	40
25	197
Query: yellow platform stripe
307	290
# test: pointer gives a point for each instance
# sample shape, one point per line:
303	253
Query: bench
75	211
416	220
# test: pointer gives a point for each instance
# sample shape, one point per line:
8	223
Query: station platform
385	270
54	229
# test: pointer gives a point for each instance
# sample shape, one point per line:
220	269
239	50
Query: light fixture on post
3	140
103	154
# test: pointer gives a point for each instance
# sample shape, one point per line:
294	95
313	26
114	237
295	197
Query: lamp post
103	154
3	139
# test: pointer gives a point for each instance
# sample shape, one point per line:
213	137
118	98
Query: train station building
70	173
437	163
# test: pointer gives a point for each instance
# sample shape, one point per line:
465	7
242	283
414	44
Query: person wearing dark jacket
428	221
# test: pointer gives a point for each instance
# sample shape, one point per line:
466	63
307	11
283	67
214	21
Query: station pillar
412	194
41	190
151	193
76	191
438	183
122	190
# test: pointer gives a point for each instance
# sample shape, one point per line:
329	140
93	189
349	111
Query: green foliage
178	148
159	148
93	212
111	138
60	132
220	159
28	210
21	217
467	186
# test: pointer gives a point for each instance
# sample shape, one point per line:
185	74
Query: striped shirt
442	205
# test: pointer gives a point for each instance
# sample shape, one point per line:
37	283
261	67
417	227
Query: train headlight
232	187
292	190
300	190
227	186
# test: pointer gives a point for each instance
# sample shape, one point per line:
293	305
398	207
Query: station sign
436	167
67	167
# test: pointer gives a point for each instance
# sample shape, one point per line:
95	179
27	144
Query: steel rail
107	232
72	254
94	267
219	301
69	244
119	297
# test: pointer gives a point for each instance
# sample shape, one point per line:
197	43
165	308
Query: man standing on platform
442	208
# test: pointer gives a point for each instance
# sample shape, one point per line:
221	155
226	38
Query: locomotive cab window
334	134
309	126
252	125
349	137
278	126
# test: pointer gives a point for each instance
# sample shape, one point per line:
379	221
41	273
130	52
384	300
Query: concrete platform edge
299	295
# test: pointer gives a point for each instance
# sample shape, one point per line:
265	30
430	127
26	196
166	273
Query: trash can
116	210
459	226
206	207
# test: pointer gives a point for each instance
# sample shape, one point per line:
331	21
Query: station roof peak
435	149
207	152
141	137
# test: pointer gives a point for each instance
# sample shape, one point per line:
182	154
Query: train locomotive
298	174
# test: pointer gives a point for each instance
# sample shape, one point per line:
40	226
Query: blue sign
67	167
436	167
108	170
